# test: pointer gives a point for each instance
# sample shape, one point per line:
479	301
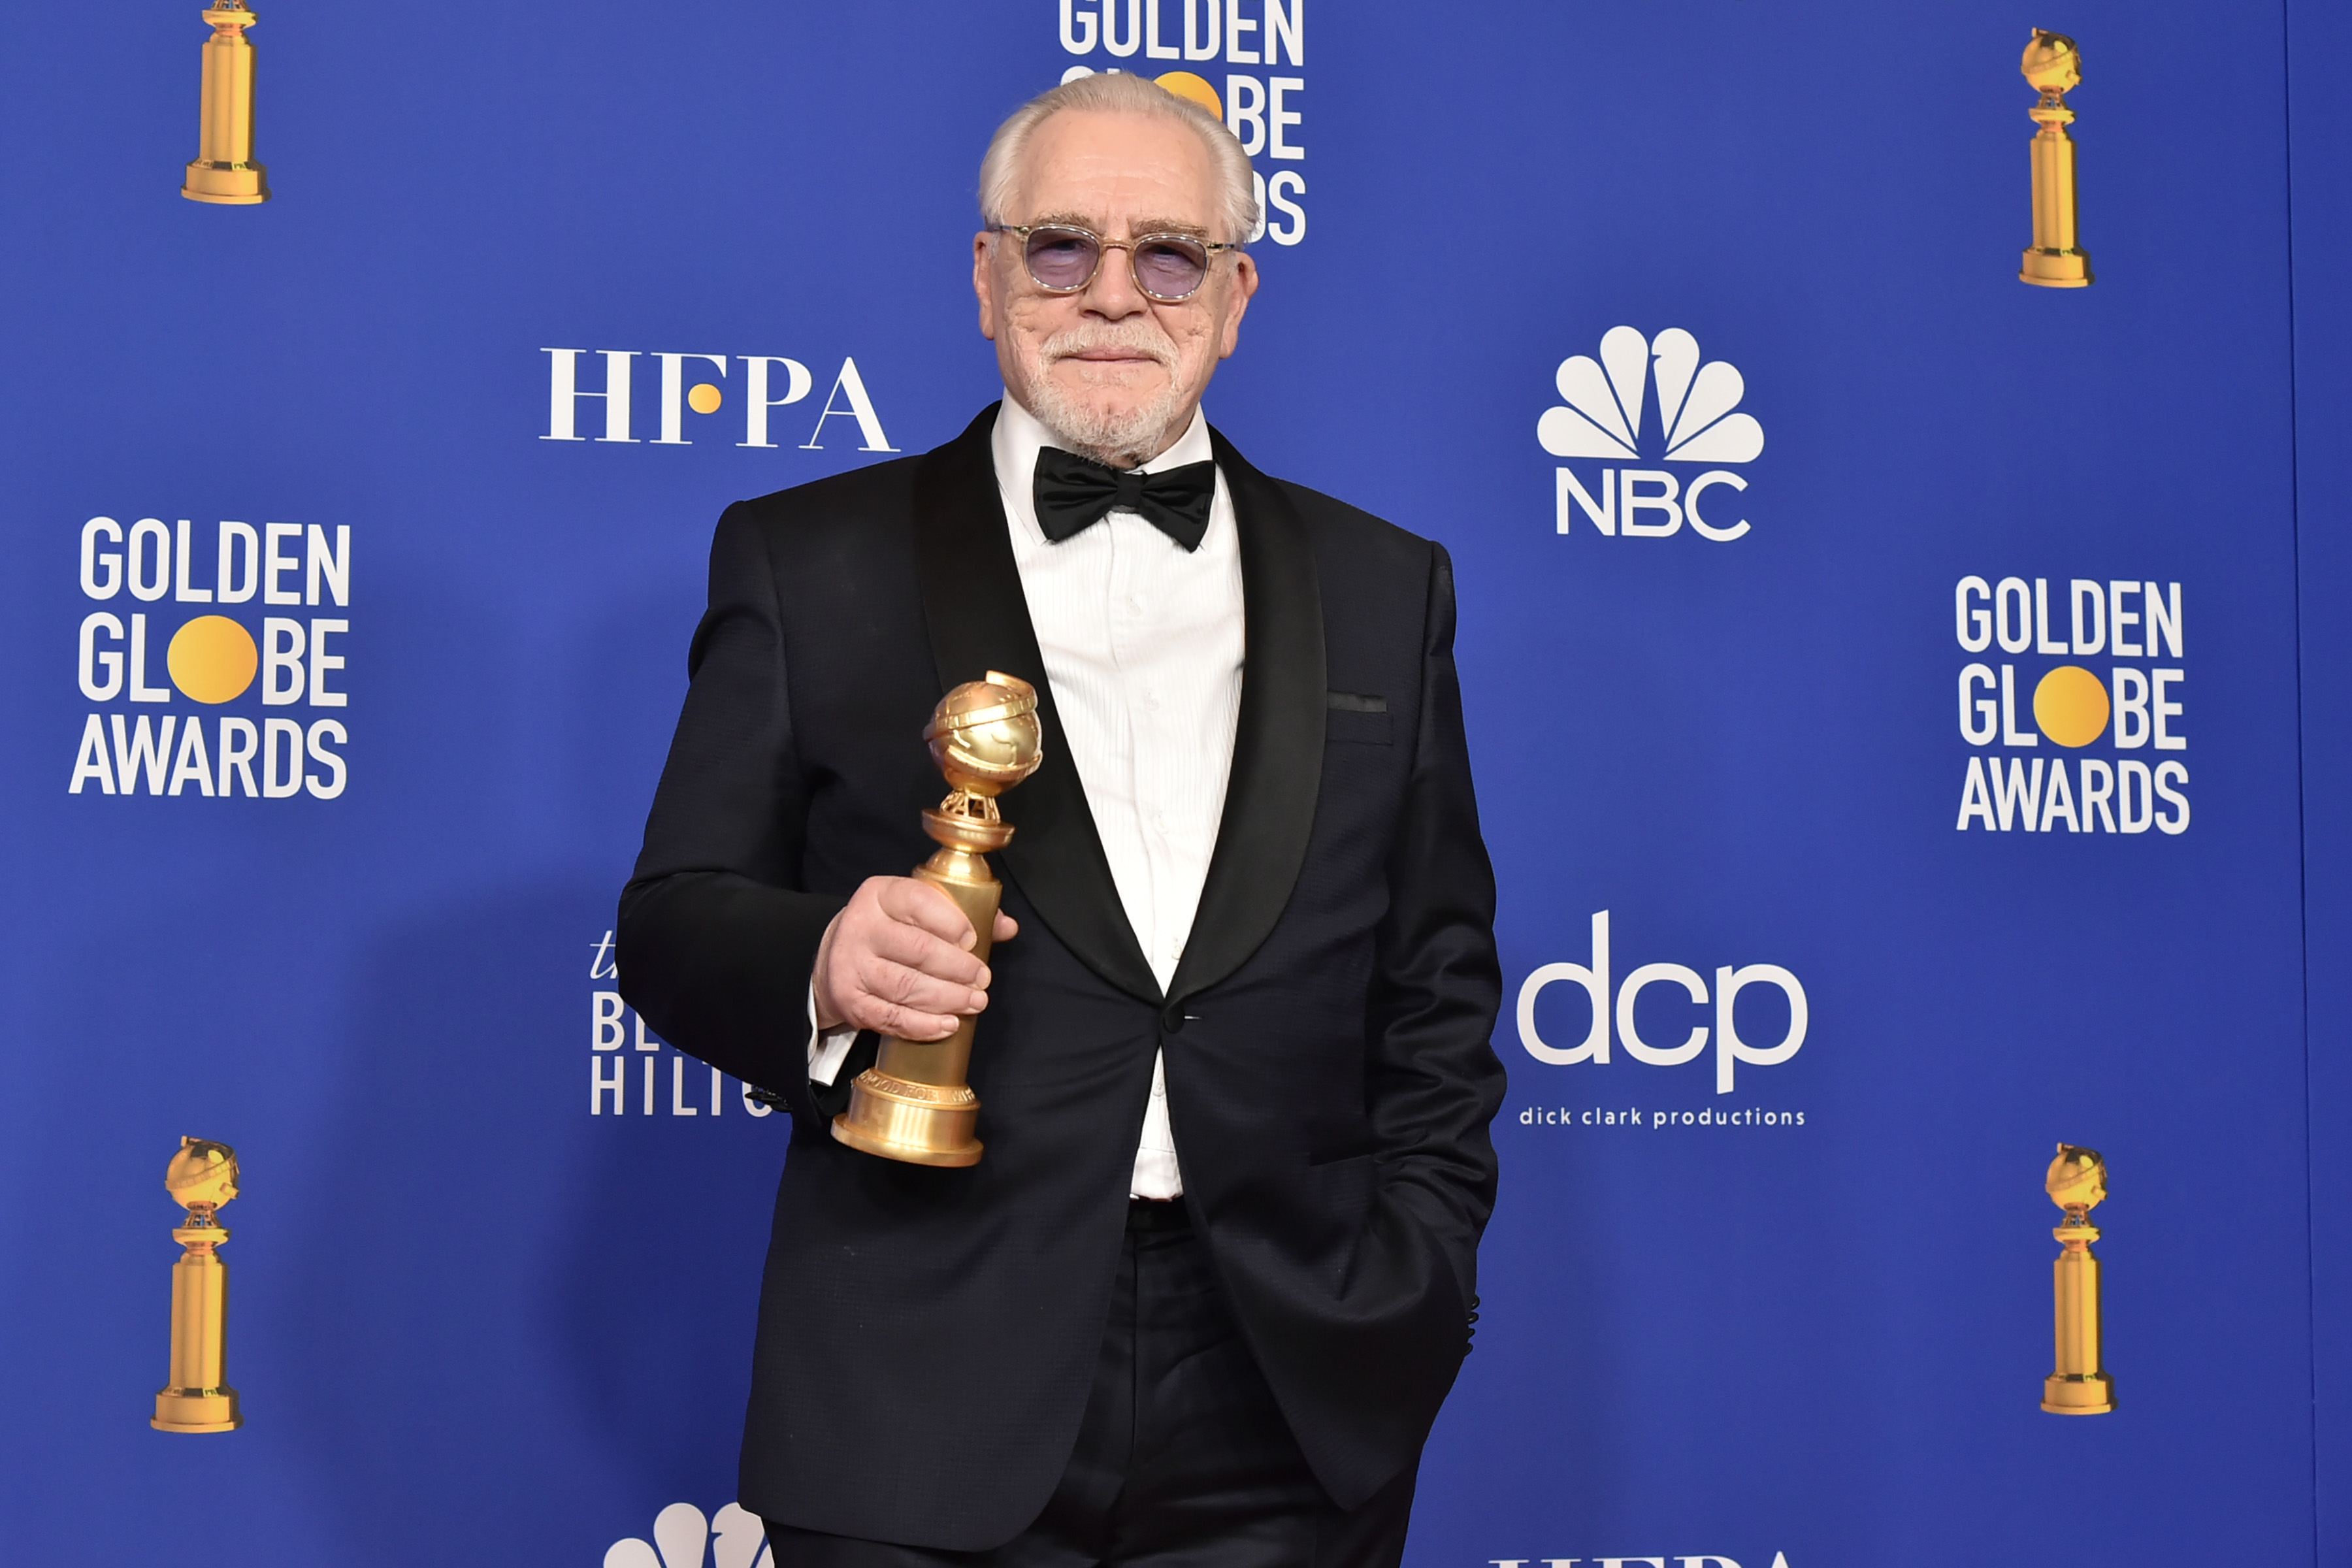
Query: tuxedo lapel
978	618
1278	768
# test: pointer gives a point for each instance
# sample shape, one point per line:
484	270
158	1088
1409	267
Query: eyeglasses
1063	258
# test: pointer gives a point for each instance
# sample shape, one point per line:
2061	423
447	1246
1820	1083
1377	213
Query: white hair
1118	92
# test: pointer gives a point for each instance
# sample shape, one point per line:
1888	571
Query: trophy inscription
222	170
2052	64
2077	1183
913	1103
201	1177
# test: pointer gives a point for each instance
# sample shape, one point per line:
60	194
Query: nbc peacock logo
734	1538
1604	408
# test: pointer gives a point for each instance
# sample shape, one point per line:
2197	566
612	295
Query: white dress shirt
1142	641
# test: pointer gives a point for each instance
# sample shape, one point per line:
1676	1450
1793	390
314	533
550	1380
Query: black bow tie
1074	493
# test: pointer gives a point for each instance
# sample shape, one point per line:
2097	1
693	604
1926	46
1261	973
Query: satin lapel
1278	769
979	620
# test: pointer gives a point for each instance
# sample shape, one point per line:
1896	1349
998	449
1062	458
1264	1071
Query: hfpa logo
1605	402
763	375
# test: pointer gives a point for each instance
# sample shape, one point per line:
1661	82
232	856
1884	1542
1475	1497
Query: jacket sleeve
717	934
1434	1080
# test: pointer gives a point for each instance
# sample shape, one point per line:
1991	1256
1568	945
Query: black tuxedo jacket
927	1337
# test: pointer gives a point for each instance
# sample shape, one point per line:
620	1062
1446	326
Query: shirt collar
1019	434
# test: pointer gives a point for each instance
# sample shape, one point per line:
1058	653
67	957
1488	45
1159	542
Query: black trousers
1183	1459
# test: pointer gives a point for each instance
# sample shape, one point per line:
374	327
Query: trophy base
2078	1395
197	1410
226	184
2057	269
920	1123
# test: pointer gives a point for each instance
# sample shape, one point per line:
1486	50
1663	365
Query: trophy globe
201	1176
2052	64
985	737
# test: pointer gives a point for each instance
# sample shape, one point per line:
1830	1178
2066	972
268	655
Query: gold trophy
201	1177
913	1103
224	169
2077	1184
2052	65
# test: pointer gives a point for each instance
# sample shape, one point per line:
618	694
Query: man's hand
898	960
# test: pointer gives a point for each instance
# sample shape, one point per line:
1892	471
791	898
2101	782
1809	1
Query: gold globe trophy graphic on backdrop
224	169
2077	1183
201	1178
913	1103
2052	64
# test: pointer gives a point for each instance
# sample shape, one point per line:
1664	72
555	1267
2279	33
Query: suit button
1172	1020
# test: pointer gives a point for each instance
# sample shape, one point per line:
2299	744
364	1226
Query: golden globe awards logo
1602	414
2096	746
1201	41
233	625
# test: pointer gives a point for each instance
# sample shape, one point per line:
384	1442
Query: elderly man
1202	1299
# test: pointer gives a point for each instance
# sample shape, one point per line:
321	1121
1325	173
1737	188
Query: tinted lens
1170	269
1061	258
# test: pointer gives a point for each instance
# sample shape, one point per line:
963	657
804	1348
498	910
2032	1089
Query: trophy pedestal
197	1410
2056	269
921	1124
226	184
2073	1395
913	1103
223	171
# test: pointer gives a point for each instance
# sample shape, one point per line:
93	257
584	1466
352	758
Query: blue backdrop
484	1314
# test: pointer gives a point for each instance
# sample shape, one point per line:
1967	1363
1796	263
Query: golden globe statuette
224	169
2077	1183
2052	65
913	1103
201	1177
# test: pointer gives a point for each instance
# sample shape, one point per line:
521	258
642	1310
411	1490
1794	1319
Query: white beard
1120	440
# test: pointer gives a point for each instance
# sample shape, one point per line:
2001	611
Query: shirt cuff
827	1049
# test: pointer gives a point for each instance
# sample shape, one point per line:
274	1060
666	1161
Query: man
1201	1297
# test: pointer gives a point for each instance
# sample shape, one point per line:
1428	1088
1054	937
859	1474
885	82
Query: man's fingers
919	950
1007	928
894	983
905	900
885	1018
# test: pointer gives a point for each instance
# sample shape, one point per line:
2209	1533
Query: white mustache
1149	342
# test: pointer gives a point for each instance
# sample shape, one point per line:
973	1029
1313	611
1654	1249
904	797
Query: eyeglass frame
1105	246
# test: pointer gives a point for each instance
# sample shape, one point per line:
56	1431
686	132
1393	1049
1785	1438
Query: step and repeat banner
1886	681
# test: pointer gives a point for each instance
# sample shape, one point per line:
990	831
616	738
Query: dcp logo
1601	415
1731	1048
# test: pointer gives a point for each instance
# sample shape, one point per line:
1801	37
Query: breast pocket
1357	717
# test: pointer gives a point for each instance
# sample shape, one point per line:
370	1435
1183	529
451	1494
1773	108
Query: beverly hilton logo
1602	415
